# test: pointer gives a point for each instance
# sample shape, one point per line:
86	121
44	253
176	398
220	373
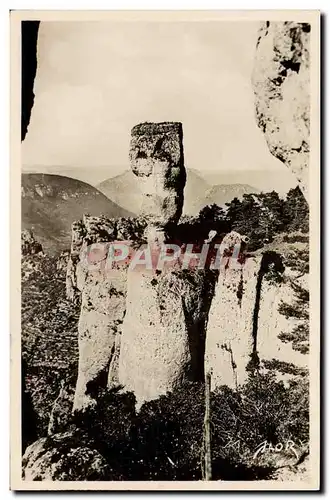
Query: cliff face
281	85
272	324
151	330
48	332
143	329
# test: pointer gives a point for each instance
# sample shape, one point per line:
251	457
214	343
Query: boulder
63	457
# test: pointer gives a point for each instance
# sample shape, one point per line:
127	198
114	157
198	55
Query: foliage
261	410
296	211
299	337
49	335
259	216
284	368
299	310
164	441
297	260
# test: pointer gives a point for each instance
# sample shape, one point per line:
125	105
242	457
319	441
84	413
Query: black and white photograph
166	174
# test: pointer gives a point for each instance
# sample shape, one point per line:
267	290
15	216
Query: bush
261	410
163	441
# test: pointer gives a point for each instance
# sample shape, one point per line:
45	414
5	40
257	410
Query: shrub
261	410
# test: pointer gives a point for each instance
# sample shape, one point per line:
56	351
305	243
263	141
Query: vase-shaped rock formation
156	157
281	82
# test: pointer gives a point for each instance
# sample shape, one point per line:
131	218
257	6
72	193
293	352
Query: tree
296	211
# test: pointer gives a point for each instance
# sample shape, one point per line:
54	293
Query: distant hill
281	180
224	193
50	203
92	175
194	193
123	190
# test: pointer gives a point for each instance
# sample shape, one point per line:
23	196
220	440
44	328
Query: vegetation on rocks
164	440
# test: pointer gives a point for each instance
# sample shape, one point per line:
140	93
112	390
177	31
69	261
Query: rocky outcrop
102	312
160	349
156	157
148	330
128	355
281	83
29	245
63	457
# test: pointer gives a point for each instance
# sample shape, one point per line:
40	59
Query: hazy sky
96	80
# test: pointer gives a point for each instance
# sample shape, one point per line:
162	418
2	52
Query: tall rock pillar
163	332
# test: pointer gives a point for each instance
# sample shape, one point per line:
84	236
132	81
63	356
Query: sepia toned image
165	214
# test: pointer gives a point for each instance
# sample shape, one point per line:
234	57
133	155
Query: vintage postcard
165	262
